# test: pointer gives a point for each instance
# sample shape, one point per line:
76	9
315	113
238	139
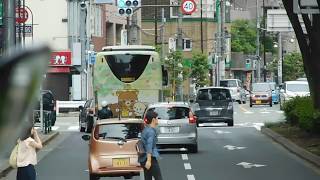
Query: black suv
214	105
86	116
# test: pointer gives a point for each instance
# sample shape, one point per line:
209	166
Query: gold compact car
112	148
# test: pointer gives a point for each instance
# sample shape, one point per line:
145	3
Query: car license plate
169	130
214	113
120	162
258	102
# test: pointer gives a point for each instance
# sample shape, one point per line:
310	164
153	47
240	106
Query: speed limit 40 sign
188	7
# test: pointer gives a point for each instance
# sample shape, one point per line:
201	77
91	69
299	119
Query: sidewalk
45	138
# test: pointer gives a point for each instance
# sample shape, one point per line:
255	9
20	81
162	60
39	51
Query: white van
237	91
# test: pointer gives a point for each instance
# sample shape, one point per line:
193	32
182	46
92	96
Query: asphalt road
235	153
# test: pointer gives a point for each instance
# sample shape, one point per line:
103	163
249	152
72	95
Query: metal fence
46	123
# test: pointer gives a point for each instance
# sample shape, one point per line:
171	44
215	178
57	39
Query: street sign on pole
28	28
188	7
22	15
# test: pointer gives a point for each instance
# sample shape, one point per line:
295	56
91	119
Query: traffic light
126	6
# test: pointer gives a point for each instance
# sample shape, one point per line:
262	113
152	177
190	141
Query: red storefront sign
61	58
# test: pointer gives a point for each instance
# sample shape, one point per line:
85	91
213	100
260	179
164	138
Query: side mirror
86	137
80	108
191	101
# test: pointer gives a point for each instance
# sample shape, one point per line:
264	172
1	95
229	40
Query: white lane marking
247	165
248	112
255	125
265	112
258	126
222	132
231	148
191	177
185	157
280	112
187	166
73	128
235	112
36	127
87	170
54	128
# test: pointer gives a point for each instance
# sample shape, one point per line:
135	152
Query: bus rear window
127	67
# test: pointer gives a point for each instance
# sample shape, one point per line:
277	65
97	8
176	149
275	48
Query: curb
295	149
5	169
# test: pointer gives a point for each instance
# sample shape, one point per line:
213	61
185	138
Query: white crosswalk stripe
73	128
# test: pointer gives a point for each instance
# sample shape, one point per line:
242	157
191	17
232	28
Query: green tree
243	38
173	64
292	66
200	69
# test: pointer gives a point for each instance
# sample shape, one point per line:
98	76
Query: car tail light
192	118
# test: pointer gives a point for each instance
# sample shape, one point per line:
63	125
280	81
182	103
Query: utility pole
280	58
264	44
10	25
201	25
162	44
83	12
156	24
134	39
223	38
220	36
258	45
179	48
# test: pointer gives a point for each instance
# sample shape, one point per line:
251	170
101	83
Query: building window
187	44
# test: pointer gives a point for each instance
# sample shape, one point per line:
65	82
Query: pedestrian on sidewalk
27	158
149	139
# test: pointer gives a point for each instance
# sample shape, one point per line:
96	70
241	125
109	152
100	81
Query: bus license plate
120	162
169	130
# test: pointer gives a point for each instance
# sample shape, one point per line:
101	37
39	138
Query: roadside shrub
300	111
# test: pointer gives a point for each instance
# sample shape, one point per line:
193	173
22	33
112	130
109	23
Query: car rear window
169	113
228	83
213	94
119	131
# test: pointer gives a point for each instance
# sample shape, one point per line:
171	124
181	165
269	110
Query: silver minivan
177	125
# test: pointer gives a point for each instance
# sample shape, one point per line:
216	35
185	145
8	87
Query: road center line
184	157
187	166
191	177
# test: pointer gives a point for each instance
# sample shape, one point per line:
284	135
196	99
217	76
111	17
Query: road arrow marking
247	165
222	132
231	148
